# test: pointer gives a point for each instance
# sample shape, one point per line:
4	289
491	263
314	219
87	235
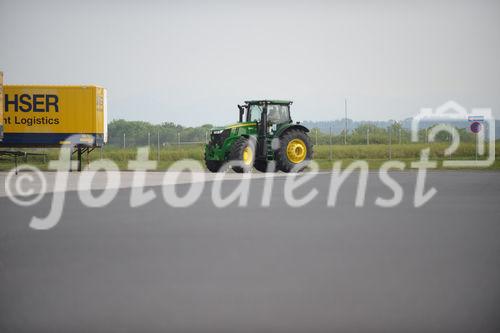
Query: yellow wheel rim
247	155
296	151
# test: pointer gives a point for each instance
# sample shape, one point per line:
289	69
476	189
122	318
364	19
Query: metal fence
393	138
156	140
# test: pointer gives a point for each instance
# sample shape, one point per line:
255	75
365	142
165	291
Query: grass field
375	155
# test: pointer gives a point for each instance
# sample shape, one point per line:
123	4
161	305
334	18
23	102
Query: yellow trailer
1	106
47	116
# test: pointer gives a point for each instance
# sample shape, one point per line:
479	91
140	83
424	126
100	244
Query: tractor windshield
254	113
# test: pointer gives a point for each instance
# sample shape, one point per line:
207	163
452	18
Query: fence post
400	135
368	136
123	140
451	140
331	152
149	139
390	142
476	144
345	118
158	148
206	136
178	140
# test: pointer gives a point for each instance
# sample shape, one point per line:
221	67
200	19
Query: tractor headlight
217	131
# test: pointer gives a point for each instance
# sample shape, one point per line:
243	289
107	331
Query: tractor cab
274	111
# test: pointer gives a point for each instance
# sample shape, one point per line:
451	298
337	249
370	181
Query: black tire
283	163
213	166
262	165
236	154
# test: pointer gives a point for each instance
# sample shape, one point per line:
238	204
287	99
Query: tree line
140	133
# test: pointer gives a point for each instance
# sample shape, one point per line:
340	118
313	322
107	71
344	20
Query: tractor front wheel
242	155
295	151
213	166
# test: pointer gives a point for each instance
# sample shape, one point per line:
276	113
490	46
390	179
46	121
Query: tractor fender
249	136
292	126
228	143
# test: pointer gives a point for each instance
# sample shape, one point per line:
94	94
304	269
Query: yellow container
48	115
1	106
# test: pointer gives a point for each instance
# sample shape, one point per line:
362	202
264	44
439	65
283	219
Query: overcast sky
192	62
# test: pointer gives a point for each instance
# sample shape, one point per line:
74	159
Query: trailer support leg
79	158
70	157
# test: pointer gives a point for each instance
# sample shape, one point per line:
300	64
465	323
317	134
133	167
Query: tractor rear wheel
243	153
295	151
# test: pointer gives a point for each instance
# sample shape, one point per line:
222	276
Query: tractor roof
269	101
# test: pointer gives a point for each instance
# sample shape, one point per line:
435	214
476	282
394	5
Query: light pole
345	118
158	148
390	139
331	152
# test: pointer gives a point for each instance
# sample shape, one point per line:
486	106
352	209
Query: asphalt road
279	269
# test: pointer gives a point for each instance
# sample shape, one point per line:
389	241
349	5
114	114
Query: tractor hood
219	129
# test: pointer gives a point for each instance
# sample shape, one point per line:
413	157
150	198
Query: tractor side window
278	114
255	113
285	114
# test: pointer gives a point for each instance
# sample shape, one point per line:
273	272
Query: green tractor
264	133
